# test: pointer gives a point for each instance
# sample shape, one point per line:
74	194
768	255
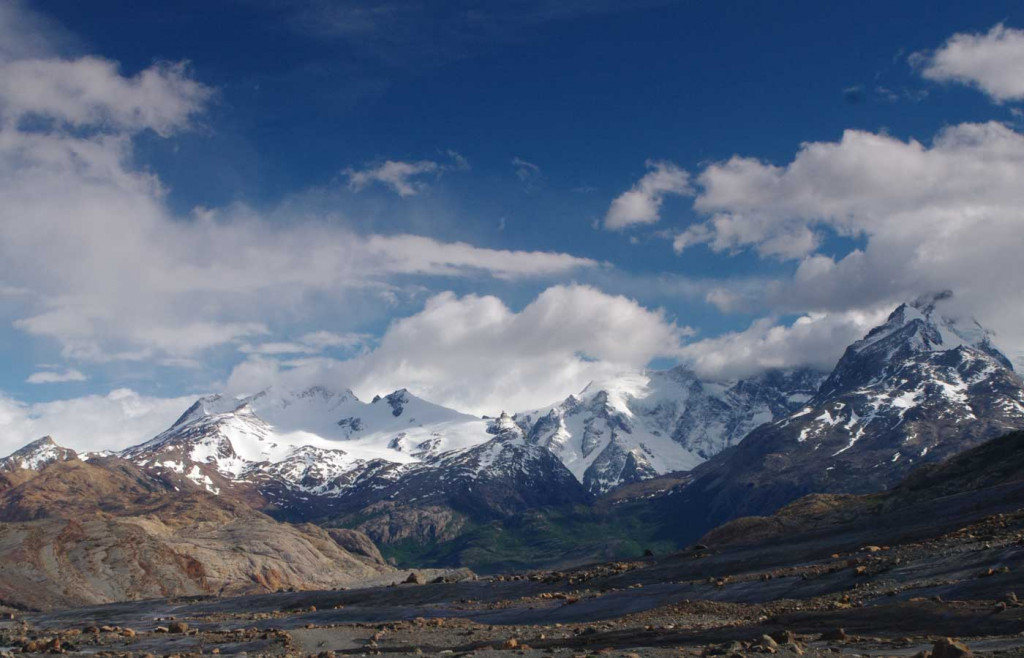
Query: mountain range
661	444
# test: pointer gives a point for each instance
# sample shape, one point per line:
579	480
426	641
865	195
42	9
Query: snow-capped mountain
313	441
645	424
34	456
504	475
321	443
918	388
920	384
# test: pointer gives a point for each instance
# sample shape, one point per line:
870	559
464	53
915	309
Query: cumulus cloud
815	340
476	354
114	421
993	62
56	376
942	215
641	204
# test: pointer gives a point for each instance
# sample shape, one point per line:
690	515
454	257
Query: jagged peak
923	326
505	426
912	329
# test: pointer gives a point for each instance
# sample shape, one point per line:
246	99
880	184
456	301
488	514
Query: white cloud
323	339
944	215
56	376
91	92
641	204
105	269
402	177
816	340
277	348
412	254
311	343
476	354
114	421
993	62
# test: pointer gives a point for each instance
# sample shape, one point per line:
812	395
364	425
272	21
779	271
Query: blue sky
324	191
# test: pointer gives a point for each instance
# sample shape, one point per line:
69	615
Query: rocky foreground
930	568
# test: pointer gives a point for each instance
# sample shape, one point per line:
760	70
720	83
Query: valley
875	509
870	575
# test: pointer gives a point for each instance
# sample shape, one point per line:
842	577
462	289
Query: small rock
835	635
414	579
783	637
947	647
177	627
766	644
993	571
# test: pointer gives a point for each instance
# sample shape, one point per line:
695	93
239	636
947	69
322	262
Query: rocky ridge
917	389
76	532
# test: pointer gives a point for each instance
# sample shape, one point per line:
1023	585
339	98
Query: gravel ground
812	596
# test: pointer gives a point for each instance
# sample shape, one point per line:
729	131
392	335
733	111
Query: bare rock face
79	533
356	543
390	522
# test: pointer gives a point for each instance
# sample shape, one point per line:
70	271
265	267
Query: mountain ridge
911	392
917	388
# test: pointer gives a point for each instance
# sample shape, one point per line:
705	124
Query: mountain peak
920	326
36	455
913	330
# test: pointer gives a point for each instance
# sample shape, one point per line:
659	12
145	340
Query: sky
488	203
